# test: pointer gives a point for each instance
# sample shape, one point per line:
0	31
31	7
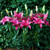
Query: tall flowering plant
24	22
20	21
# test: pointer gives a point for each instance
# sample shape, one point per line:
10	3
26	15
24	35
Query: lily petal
29	26
16	27
21	25
40	25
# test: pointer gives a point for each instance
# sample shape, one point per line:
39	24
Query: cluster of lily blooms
19	20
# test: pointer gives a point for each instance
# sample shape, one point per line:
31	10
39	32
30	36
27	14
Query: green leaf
0	48
46	1
13	5
16	34
1	0
35	0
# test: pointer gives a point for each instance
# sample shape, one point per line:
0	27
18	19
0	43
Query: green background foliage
38	38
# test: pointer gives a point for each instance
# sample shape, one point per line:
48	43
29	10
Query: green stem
32	48
36	37
23	36
25	31
0	48
14	49
26	13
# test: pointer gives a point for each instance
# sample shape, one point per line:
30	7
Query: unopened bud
25	6
21	15
7	11
16	10
47	12
11	13
43	9
36	8
31	13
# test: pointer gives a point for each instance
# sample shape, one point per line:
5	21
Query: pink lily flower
5	19
25	23
15	21
38	21
18	15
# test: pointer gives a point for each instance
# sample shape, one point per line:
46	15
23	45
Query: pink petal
14	12
23	21
15	15
34	22
16	27
29	26
45	16
40	25
28	18
21	25
3	23
43	22
0	22
42	15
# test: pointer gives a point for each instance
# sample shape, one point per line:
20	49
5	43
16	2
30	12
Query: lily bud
26	10
36	8
16	10
7	11
47	12
25	6
45	16
31	13
11	13
21	15
43	9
